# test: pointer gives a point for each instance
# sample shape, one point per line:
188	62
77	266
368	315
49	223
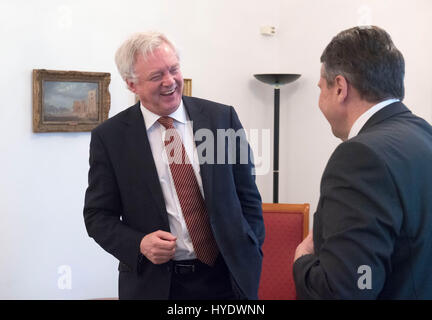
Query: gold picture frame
69	101
187	87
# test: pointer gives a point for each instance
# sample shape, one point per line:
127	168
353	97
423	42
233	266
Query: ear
131	85
341	87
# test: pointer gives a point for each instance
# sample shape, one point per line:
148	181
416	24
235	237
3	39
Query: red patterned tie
189	195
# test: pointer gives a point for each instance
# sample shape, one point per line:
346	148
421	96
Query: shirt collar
361	121
151	118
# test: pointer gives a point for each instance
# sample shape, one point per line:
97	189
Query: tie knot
167	122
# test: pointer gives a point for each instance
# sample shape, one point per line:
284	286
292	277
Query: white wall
45	175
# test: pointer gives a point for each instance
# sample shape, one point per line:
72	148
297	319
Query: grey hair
139	43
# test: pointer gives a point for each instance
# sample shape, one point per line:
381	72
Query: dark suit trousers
205	283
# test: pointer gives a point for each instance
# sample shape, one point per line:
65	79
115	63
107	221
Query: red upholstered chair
286	226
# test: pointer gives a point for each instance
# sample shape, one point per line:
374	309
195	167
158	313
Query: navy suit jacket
373	225
124	201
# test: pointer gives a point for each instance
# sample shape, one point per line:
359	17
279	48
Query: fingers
158	247
305	247
165	235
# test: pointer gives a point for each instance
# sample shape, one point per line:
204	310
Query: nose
168	80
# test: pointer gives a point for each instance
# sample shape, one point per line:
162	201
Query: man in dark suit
185	221
372	234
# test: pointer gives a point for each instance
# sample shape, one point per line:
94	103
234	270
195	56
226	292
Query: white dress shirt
156	134
361	121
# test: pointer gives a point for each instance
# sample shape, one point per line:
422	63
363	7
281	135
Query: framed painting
69	101
187	87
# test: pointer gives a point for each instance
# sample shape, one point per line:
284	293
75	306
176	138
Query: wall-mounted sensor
268	30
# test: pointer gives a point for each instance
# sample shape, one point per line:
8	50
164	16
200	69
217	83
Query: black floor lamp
276	79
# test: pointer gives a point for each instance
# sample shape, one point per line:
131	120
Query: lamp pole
276	145
276	79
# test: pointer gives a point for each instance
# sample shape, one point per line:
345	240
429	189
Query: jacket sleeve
244	176
355	226
103	209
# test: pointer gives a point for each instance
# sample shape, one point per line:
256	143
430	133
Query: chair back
286	226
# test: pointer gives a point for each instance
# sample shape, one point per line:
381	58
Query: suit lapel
141	159
202	121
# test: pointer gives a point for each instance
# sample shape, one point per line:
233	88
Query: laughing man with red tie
181	227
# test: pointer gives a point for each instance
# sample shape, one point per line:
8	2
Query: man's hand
159	246
305	247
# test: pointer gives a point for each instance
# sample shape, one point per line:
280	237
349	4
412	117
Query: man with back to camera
180	227
372	234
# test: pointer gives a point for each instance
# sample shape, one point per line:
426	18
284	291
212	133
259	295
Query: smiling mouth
168	93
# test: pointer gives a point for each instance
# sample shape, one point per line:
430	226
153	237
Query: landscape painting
70	101
67	101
